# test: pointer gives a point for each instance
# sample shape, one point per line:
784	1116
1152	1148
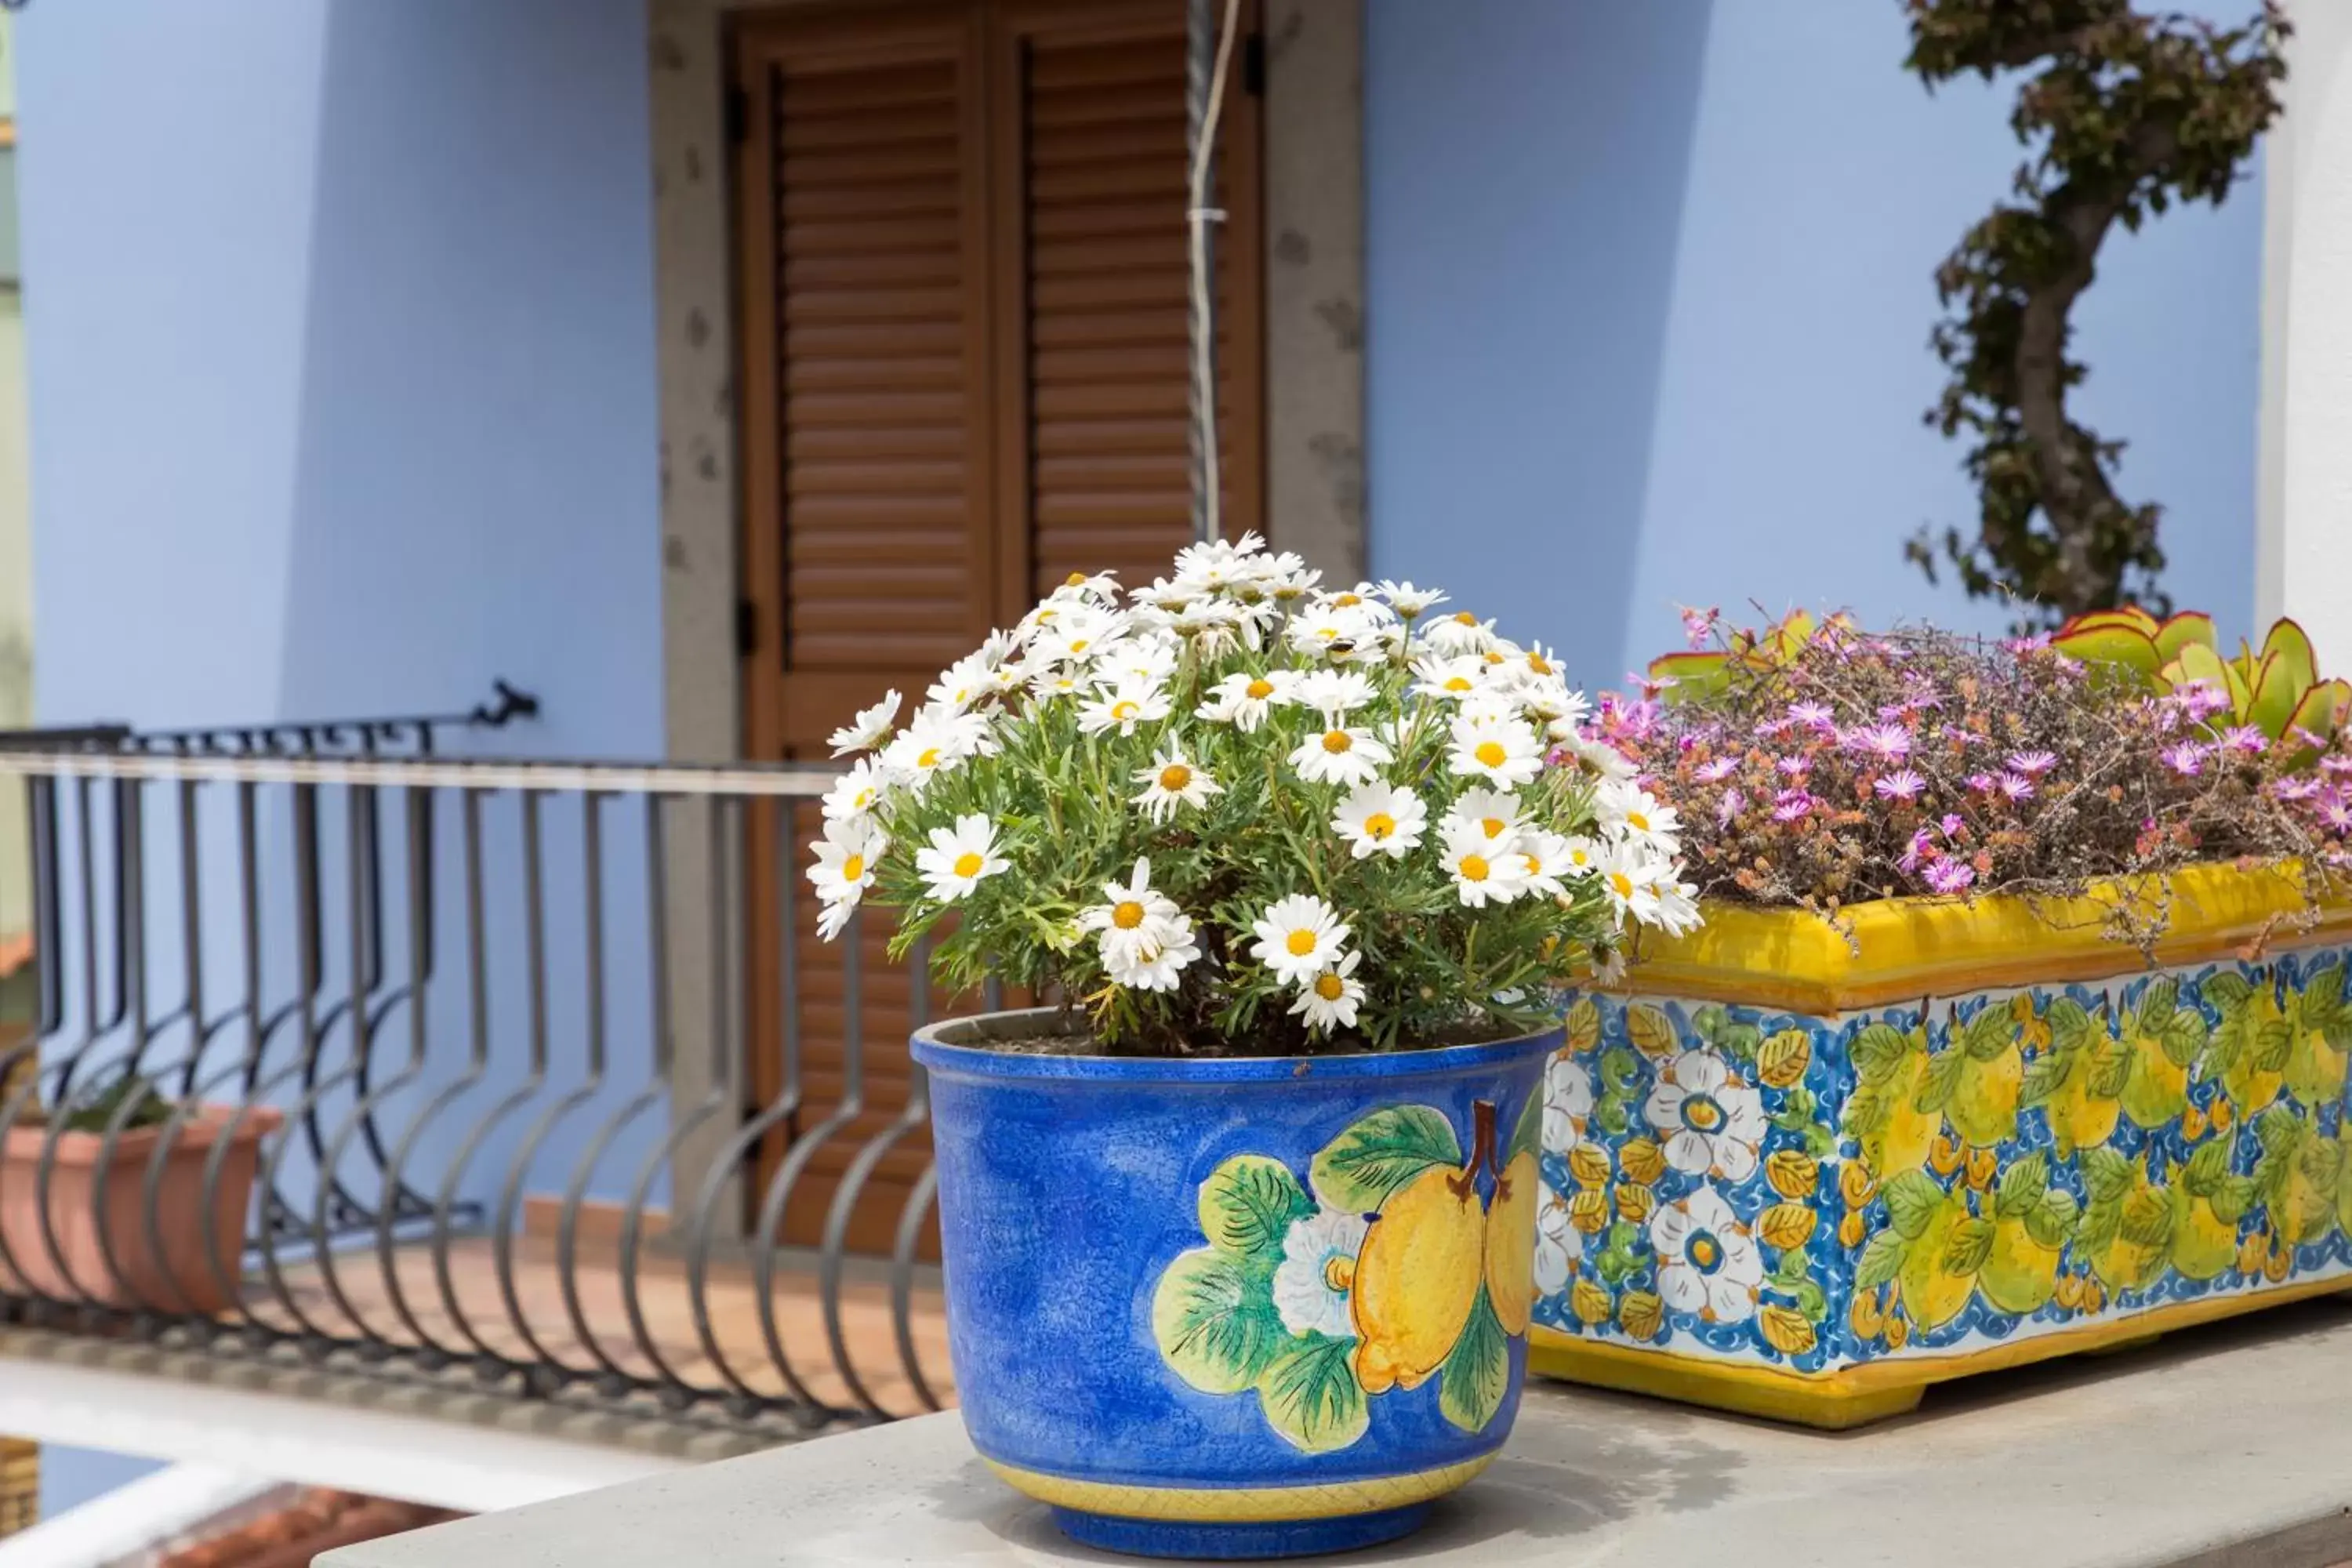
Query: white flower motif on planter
1568	1103
1316	1271
1709	1122
1559	1245
1707	1262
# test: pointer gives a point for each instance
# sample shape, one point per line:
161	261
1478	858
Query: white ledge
2223	1446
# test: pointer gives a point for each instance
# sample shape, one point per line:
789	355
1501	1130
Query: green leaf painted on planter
2047	1074
1470	1384
1818	1141
1526	1133
2226	1044
1812	1300
2148	1220
1877	1050
1739	1041
1214	1318
2322	997
2052	1222
1310	1395
2111	1062
1866	1112
2106	1173
2099	1224
1709	1022
1987	1034
1792	1266
2229	991
2184	1036
2069	1022
1969	1245
1652	1032
1943	1076
1912	1199
2022	1186
1248	1203
2273	1043
2206	1168
2233	1196
1360	1168
1620	1070
1882	1259
2157	1005
1612	1115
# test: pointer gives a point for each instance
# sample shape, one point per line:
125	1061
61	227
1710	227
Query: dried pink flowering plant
1850	766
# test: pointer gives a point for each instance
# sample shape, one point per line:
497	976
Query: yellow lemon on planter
2020	1271
2164	1038
2134	1254
1983	1109
2306	1209
2344	1187
2315	1068
1939	1272
2203	1244
1901	1138
1511	1243
1417	1277
2253	1018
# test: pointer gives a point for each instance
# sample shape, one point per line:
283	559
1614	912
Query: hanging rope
1204	102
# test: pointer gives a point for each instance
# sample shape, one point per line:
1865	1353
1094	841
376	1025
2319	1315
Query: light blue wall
341	355
1650	287
72	1477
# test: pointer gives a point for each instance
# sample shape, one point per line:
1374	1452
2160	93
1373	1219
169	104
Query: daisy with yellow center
1330	1000
1629	811
933	743
1377	819
1448	679
1408	600
1340	755
1144	939
1456	635
1299	937
1495	814
1244	697
1630	879
1170	782
1122	708
1483	875
1504	752
846	858
855	793
959	857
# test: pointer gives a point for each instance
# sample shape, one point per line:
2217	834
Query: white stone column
2303	545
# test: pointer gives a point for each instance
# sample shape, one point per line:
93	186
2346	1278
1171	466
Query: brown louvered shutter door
868	536
1090	175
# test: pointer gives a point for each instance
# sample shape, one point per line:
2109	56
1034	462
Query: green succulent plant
1696	676
2276	690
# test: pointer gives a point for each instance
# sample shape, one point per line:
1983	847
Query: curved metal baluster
902	1282
786	1104
131	900
674	1390
803	1150
510	1200
861	1168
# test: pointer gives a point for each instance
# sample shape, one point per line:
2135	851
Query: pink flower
1792	804
1813	715
1698	627
1771	729
2017	786
1795	767
2186	758
1900	784
2245	740
1921	843
2038	642
2335	811
1733	803
2300	788
1716	772
2032	764
1950	876
2336	765
1887	742
1984	784
1952	823
2200	698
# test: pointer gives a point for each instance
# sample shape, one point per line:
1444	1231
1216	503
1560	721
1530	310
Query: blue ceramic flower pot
1236	1306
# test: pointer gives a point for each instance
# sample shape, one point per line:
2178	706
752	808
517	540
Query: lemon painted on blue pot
1236	1306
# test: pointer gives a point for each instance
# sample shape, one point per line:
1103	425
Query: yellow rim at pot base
1858	1396
1242	1505
1795	959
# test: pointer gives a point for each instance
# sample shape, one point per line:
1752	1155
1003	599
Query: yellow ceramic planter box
1806	1178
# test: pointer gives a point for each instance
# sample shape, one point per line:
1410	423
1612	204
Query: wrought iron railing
483	1038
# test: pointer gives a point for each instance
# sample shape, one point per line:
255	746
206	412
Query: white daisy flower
1458	633
857	792
1212	627
1243	699
1122	708
1170	782
1494	813
1056	681
1609	963
1708	1261
1559	1245
1481	874
1595	756
869	728
959	856
1331	692
1077	633
1568	1103
1144	939
1580	856
1632	813
1317	1272
1330	1000
1678	906
1102	587
1554	708
1377	819
1138	661
1299	937
1504	751
1407	600
1340	755
845	860
1362	596
933	743
1449	679
1631	880
1548	865
1709	1122
833	919
1326	632
1291	587
965	682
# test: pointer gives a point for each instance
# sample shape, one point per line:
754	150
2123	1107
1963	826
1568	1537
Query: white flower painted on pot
1559	1245
1707	1262
1709	1122
1568	1103
1316	1271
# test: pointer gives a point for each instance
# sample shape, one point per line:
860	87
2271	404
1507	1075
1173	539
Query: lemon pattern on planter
1385	1268
1814	1194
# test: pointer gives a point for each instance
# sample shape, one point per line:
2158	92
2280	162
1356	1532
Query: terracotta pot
182	1279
